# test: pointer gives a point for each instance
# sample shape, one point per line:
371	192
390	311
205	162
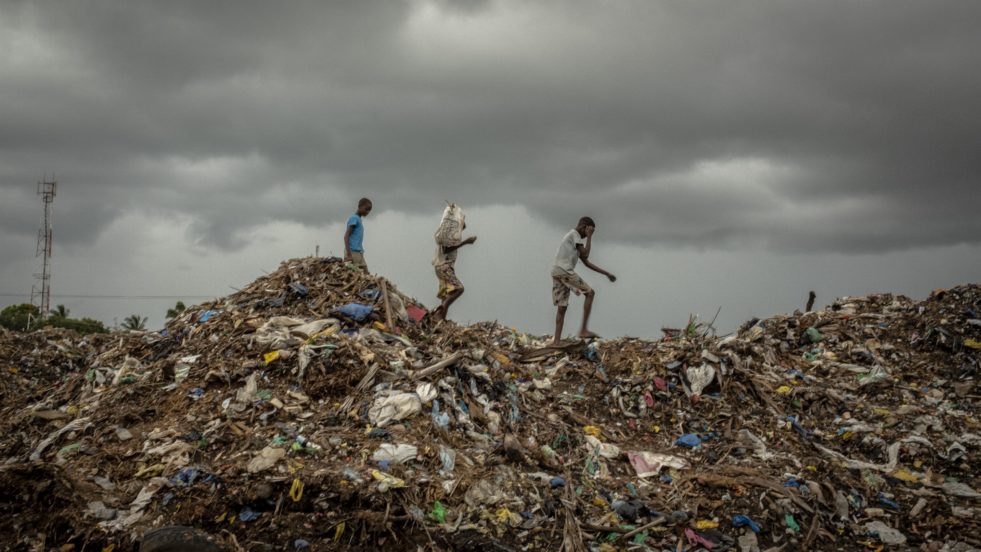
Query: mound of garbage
317	408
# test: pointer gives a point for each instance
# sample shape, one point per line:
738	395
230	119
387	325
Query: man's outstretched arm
595	268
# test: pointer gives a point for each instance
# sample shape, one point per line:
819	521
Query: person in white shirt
575	246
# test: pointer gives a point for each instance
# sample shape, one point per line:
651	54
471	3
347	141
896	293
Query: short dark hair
364	201
586	221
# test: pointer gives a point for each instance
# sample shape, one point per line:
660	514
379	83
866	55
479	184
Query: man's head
584	223
364	206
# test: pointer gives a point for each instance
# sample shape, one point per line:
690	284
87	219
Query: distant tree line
26	317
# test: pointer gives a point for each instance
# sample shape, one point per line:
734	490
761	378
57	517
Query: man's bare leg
441	311
559	322
587	308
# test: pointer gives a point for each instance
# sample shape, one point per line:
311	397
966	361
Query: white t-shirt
567	256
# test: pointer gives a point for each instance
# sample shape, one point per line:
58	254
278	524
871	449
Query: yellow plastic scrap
501	358
599	501
271	357
594	431
882	411
110	548
221	518
905	475
379	326
150	471
324	333
508	517
392	481
339	531
296	490
706	524
972	343
784	389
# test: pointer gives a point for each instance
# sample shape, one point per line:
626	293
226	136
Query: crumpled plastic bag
699	377
275	333
356	311
483	492
605	450
393	408
426	392
884	533
311	328
649	464
125	519
395	454
266	459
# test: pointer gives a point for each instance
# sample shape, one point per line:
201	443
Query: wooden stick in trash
388	306
660	520
438	366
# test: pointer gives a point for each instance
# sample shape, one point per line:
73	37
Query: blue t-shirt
355	242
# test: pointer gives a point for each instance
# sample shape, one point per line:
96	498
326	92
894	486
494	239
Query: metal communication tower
47	190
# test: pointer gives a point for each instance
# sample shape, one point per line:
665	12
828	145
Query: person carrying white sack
449	238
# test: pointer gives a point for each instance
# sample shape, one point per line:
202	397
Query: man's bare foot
586	334
438	314
555	343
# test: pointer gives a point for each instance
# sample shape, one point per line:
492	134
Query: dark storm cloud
798	126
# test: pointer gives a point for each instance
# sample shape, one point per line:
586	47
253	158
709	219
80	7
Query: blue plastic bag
356	311
745	521
689	440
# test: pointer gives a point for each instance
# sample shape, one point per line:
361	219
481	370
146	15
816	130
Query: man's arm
468	241
595	268
347	241
584	250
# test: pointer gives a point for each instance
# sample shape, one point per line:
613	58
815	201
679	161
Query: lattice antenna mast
47	190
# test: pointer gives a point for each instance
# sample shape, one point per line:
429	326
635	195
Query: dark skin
439	313
584	231
363	211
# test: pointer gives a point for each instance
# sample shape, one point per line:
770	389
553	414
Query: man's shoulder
353	220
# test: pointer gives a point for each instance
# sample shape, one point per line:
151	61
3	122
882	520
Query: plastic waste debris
393	408
884	533
396	454
267	458
386	481
699	377
745	521
688	440
649	464
356	311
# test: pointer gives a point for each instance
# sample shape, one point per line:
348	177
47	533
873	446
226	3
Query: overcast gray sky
733	154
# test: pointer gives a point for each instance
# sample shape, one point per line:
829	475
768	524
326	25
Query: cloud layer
822	126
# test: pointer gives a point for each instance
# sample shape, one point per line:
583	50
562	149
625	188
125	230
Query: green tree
60	310
134	322
82	326
176	311
19	317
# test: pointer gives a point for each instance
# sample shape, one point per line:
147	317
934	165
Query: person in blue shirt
354	235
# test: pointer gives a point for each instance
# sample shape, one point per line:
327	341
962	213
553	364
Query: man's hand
589	231
611	277
470	240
